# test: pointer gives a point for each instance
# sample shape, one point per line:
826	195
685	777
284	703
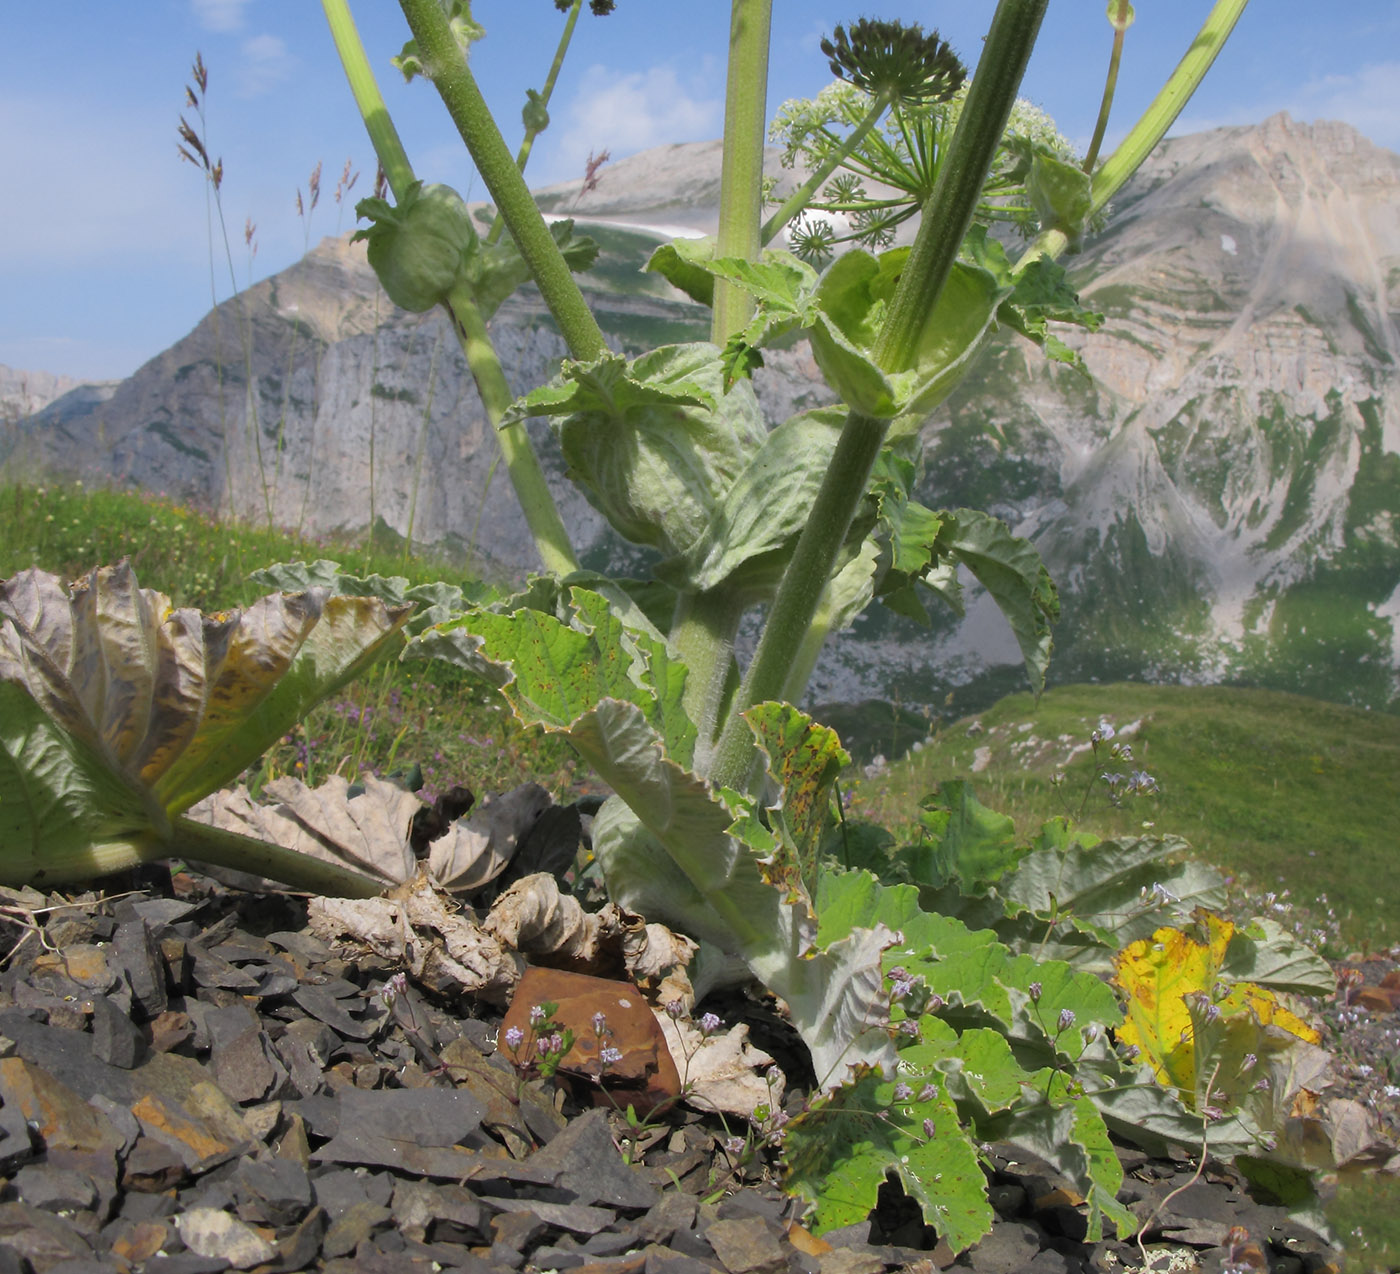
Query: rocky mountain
1219	498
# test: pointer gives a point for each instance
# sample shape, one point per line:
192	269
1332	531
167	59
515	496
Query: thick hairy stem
800	197
741	179
702	638
458	89
800	593
948	212
946	217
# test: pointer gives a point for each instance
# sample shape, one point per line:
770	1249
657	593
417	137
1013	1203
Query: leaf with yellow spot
1195	1028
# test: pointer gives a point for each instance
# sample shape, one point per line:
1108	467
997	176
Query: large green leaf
853	297
839	1152
556	669
751	534
960	841
654	444
1011	570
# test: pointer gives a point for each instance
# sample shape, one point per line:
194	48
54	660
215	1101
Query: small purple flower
928	1092
902	1091
610	1056
935	1002
1249	1061
392	989
556	1044
674	1009
1066	1019
908	1027
600	1022
515	1037
709	1024
537	1015
735	1145
1034	990
929	1127
901	988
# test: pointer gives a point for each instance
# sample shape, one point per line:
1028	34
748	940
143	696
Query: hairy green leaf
656	443
852	299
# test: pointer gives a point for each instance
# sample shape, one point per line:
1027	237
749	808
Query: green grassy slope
1280	791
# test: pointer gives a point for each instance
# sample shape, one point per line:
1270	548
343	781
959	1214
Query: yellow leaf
1158	974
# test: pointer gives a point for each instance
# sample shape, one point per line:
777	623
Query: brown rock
62	1118
746	1245
644	1075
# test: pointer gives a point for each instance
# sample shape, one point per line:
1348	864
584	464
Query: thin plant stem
393	159
1120	29
522	156
1143	137
541	513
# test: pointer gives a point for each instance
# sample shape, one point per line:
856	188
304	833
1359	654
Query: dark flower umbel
599	8
895	59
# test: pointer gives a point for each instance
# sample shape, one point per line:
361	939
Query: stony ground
191	1082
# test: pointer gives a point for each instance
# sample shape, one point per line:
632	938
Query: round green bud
420	248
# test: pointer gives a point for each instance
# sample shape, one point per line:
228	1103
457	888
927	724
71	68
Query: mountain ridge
1226	476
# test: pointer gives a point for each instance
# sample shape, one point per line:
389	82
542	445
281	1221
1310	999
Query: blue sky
104	254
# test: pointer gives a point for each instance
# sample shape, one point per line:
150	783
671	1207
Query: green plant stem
948	212
741	178
1143	137
1168	104
800	593
946	216
393	159
221	848
205	844
799	198
541	513
1120	29
460	94
702	638
522	156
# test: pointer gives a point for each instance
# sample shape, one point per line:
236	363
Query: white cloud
264	63
627	112
219	15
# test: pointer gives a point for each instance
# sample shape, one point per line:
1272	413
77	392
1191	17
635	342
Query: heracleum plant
719	822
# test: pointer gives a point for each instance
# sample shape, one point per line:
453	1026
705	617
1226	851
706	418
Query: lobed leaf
839	1152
